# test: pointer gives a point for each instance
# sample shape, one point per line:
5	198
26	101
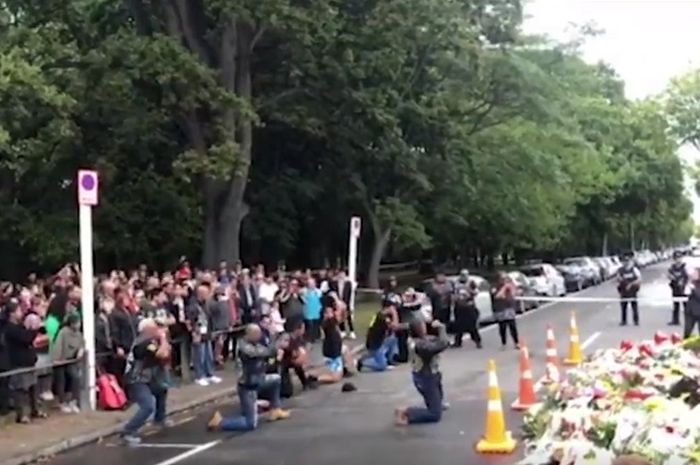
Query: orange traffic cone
575	356
527	396
552	367
496	439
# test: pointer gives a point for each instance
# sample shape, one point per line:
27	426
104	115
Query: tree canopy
253	130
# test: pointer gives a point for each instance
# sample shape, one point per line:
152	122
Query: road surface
333	428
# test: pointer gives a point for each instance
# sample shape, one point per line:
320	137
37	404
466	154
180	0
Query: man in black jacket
254	356
248	300
678	280
425	361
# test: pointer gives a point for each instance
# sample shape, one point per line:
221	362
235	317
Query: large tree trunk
234	209
381	241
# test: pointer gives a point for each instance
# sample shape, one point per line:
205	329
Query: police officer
466	315
440	294
691	314
678	280
628	281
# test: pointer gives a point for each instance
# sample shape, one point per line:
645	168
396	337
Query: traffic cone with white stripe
526	396
552	367
496	439
575	356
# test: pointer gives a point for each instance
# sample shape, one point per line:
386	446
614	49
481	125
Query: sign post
355	229
87	198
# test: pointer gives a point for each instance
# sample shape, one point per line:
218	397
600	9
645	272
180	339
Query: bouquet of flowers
641	399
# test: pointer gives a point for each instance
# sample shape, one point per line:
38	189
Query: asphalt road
333	428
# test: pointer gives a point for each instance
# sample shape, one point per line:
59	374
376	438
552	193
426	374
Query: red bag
110	396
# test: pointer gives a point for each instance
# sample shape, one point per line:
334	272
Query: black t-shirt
377	331
332	341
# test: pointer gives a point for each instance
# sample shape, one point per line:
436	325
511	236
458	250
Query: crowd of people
41	337
265	322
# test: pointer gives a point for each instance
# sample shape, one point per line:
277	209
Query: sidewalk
22	444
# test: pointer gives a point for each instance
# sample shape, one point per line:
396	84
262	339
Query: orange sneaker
279	414
215	421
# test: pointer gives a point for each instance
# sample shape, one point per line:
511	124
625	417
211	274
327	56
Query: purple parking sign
87	187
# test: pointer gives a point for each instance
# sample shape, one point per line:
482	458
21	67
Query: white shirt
267	291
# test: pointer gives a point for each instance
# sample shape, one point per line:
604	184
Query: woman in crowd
19	338
504	309
123	325
427	378
104	345
312	310
146	379
69	345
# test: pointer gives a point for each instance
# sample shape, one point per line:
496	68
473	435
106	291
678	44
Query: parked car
573	277
590	269
607	267
545	279
525	289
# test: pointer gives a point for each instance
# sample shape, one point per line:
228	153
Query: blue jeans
150	402
378	360
248	419
203	359
430	387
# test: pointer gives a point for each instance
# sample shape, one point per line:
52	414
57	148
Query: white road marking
189	453
591	339
168	446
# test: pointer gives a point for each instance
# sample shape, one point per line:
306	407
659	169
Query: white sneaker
46	396
214	380
353	336
202	382
74	407
65	408
342	334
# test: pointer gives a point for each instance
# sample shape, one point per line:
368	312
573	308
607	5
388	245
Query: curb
95	436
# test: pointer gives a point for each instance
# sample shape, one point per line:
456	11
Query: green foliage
435	121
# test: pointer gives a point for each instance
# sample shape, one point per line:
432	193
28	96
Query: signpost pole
355	226
87	198
88	300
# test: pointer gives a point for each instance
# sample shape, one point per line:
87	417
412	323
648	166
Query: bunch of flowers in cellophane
639	399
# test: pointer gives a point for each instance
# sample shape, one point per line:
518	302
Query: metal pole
88	300
352	258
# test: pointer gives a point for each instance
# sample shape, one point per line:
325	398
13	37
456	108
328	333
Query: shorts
335	365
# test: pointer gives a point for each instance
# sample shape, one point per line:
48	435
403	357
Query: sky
648	42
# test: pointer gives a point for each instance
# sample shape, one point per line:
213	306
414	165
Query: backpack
110	396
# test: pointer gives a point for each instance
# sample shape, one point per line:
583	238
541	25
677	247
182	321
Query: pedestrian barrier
552	367
496	439
526	396
602	300
575	355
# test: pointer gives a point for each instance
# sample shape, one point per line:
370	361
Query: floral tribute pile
639	399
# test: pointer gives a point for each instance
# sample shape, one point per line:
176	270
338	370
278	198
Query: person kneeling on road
425	360
254	355
381	344
338	359
146	378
